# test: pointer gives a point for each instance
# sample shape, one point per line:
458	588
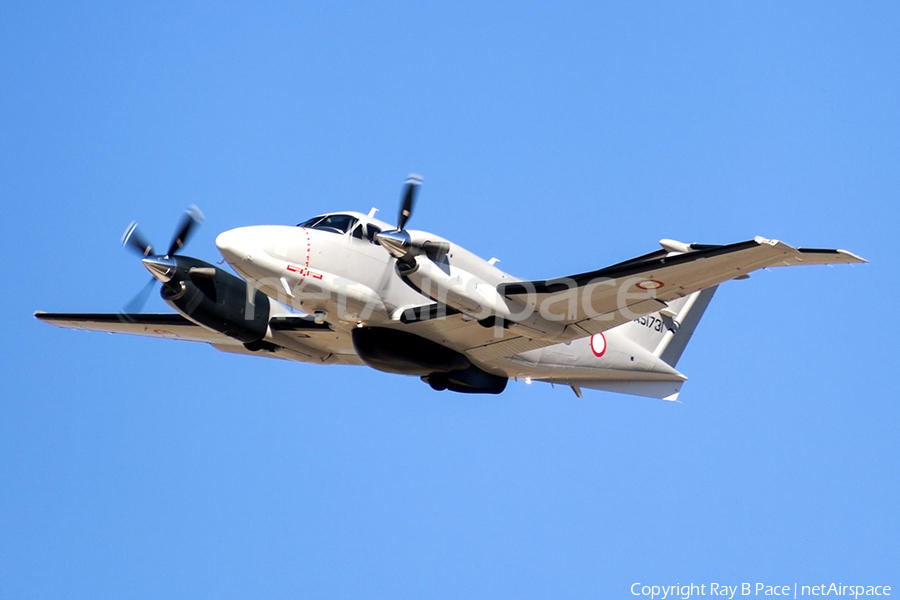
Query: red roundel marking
164	332
649	284
598	344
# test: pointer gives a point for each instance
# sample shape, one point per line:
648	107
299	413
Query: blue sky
559	139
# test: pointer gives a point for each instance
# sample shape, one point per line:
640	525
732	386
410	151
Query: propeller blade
133	239
409	198
189	221
136	304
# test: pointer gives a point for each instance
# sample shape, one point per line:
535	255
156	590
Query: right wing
663	276
597	301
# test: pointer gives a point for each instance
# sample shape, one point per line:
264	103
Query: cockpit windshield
332	223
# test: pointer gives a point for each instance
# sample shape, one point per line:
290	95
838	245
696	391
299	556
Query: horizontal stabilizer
662	390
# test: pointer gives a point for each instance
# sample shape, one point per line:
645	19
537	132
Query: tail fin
667	332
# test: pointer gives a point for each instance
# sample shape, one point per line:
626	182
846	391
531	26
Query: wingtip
856	258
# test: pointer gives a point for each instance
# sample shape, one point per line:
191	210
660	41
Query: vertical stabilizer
673	345
667	332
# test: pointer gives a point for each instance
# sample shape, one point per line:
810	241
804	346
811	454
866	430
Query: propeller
398	241
192	217
161	267
133	239
136	304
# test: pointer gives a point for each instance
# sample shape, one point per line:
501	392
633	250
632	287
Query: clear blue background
558	138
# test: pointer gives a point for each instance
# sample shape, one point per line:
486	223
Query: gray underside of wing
166	326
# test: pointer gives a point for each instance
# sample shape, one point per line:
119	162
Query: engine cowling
395	351
454	287
216	299
467	381
459	289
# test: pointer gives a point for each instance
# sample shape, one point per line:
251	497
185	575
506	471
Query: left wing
168	326
293	337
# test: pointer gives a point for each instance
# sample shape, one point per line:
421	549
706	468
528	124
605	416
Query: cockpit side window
333	223
358	232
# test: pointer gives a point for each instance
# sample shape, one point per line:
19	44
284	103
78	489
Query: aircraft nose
234	244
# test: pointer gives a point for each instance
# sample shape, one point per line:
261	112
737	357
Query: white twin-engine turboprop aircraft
411	302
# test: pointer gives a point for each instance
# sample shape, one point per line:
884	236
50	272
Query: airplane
346	288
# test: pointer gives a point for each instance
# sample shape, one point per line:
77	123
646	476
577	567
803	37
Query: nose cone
251	245
161	267
225	242
234	244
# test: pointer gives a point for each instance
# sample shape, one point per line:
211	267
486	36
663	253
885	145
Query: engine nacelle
395	351
405	245
454	287
468	381
444	283
216	299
